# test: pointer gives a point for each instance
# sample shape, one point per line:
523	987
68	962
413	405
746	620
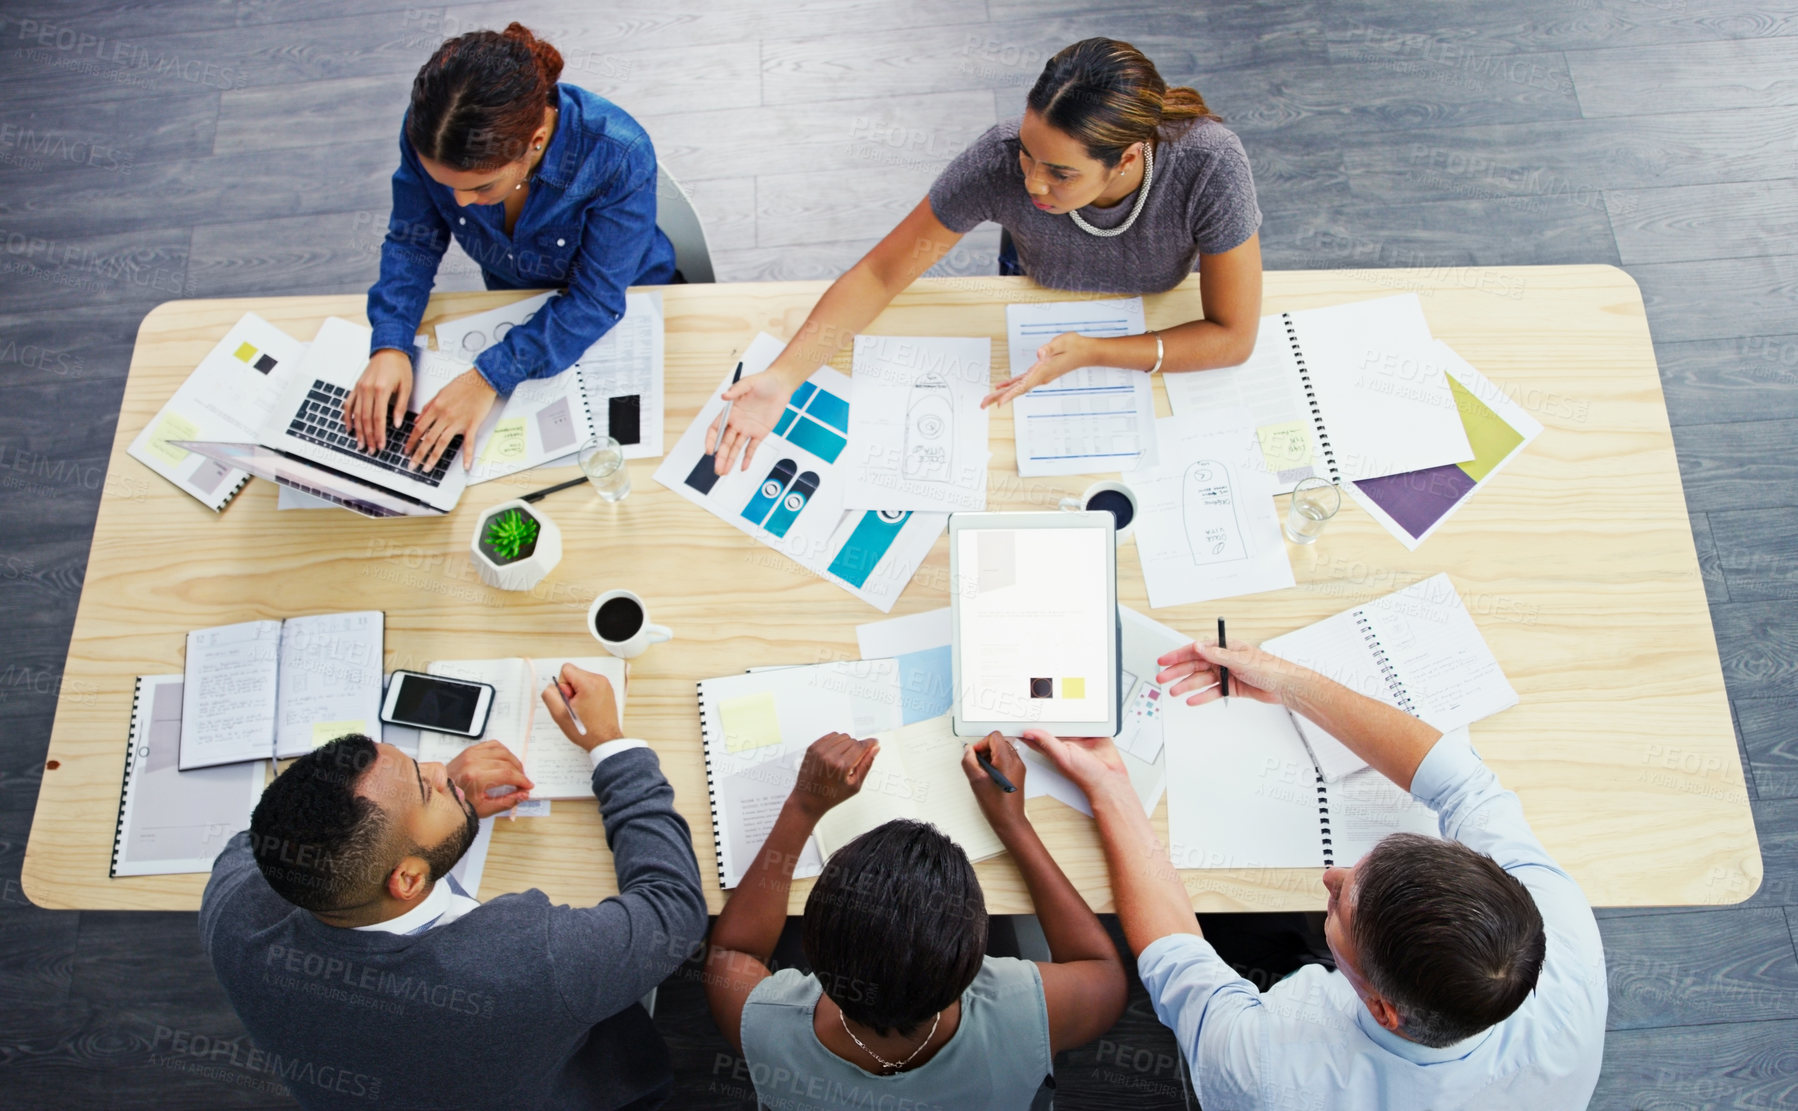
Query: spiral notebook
228	397
1244	792
1351	391
170	820
1417	649
756	728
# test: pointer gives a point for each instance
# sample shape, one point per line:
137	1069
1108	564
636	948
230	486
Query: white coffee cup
628	633
1116	490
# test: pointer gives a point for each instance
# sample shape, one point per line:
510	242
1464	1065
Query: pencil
572	716
1223	673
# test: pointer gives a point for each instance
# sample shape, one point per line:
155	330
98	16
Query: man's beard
444	855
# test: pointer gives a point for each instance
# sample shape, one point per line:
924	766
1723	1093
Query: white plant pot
525	573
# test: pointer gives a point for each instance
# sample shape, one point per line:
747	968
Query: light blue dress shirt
1309	1043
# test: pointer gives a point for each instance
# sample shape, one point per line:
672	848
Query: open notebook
917	774
1350	391
1417	649
280	688
756	728
1243	792
558	768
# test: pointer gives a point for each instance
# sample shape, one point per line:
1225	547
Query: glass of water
1314	502
602	461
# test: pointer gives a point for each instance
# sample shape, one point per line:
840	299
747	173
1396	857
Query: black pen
1223	673
724	418
998	776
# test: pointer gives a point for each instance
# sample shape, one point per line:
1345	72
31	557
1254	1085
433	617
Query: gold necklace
884	1063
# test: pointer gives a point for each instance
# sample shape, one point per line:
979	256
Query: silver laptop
306	445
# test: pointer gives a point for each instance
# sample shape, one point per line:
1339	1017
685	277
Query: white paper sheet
917	433
791	498
917	774
1417	649
1206	523
919	644
228	397
330	679
228	699
173	821
1365	807
1096	419
1269	387
1242	790
545	420
1497	428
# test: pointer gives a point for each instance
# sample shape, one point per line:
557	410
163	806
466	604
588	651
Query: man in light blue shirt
1469	971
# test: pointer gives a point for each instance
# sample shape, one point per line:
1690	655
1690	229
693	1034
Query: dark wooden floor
207	148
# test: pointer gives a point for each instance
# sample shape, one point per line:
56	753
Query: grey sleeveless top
997	1059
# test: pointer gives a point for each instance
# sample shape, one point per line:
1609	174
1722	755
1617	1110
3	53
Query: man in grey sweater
367	978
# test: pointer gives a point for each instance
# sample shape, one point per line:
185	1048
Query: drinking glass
1314	502
602	461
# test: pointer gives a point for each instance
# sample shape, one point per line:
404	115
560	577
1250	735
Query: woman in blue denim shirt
546	186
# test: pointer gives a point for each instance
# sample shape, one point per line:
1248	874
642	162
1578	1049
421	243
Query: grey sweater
517	1004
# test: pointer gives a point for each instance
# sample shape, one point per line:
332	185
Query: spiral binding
1323	820
711	784
226	500
1401	697
1317	414
586	404
118	828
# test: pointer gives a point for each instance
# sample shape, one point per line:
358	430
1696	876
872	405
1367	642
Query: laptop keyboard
320	421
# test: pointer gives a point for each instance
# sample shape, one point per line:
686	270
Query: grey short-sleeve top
1201	201
996	1060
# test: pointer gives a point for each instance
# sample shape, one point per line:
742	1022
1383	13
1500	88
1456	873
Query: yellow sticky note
1073	688
749	722
324	732
172	426
245	352
1285	446
1488	434
506	444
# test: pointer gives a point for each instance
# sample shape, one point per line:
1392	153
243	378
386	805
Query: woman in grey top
902	1007
1111	181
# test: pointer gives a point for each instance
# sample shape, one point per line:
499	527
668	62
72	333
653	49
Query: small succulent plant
509	533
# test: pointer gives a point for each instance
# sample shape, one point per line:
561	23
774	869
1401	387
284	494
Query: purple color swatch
1418	499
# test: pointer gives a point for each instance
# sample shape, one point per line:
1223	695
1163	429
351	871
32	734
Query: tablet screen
1035	623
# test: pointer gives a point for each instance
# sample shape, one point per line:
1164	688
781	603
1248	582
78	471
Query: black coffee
1116	504
618	619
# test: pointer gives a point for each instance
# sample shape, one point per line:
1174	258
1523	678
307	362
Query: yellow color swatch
1073	688
506	444
1285	446
324	732
749	722
245	352
1491	438
172	426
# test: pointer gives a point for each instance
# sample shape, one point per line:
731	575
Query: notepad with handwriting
280	688
1417	649
756	728
558	768
1350	391
917	774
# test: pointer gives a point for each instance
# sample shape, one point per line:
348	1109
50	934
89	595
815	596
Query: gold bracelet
1160	352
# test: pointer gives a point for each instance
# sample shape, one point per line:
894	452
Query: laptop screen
318	481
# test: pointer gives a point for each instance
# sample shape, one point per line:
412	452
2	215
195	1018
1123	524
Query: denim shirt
588	226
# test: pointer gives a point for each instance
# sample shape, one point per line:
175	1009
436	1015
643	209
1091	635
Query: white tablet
1035	640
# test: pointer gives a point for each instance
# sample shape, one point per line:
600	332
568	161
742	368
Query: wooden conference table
1577	564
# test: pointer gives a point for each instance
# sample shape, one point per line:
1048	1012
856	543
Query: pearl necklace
884	1063
1142	198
